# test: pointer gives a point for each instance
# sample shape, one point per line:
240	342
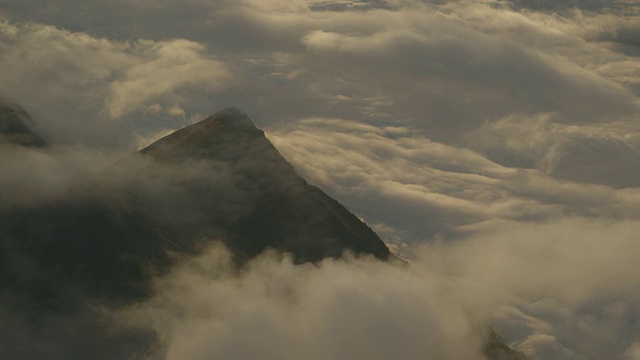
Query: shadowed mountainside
13	127
217	180
284	211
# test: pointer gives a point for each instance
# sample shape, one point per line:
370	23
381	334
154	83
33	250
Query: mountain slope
286	213
217	180
13	128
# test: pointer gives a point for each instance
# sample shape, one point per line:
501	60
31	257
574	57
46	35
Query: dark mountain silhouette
13	126
217	180
284	211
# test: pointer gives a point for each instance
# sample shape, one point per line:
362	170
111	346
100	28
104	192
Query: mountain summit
283	211
13	127
228	135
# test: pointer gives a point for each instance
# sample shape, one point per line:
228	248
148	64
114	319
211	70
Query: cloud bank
565	290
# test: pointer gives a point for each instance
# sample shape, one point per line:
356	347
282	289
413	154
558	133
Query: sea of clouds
494	144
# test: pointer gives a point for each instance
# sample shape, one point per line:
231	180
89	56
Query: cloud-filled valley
495	145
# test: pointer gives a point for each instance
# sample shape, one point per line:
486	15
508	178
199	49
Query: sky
496	144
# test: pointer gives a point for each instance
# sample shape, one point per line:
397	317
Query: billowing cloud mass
352	309
570	293
495	144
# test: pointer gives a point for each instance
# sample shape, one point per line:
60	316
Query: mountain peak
283	211
227	135
231	116
231	119
13	126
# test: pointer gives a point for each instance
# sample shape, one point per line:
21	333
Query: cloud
508	130
569	283
432	188
92	81
519	141
564	290
33	177
571	4
276	310
467	64
584	154
172	66
426	62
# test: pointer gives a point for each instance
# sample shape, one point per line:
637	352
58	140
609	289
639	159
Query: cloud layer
276	310
558	291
